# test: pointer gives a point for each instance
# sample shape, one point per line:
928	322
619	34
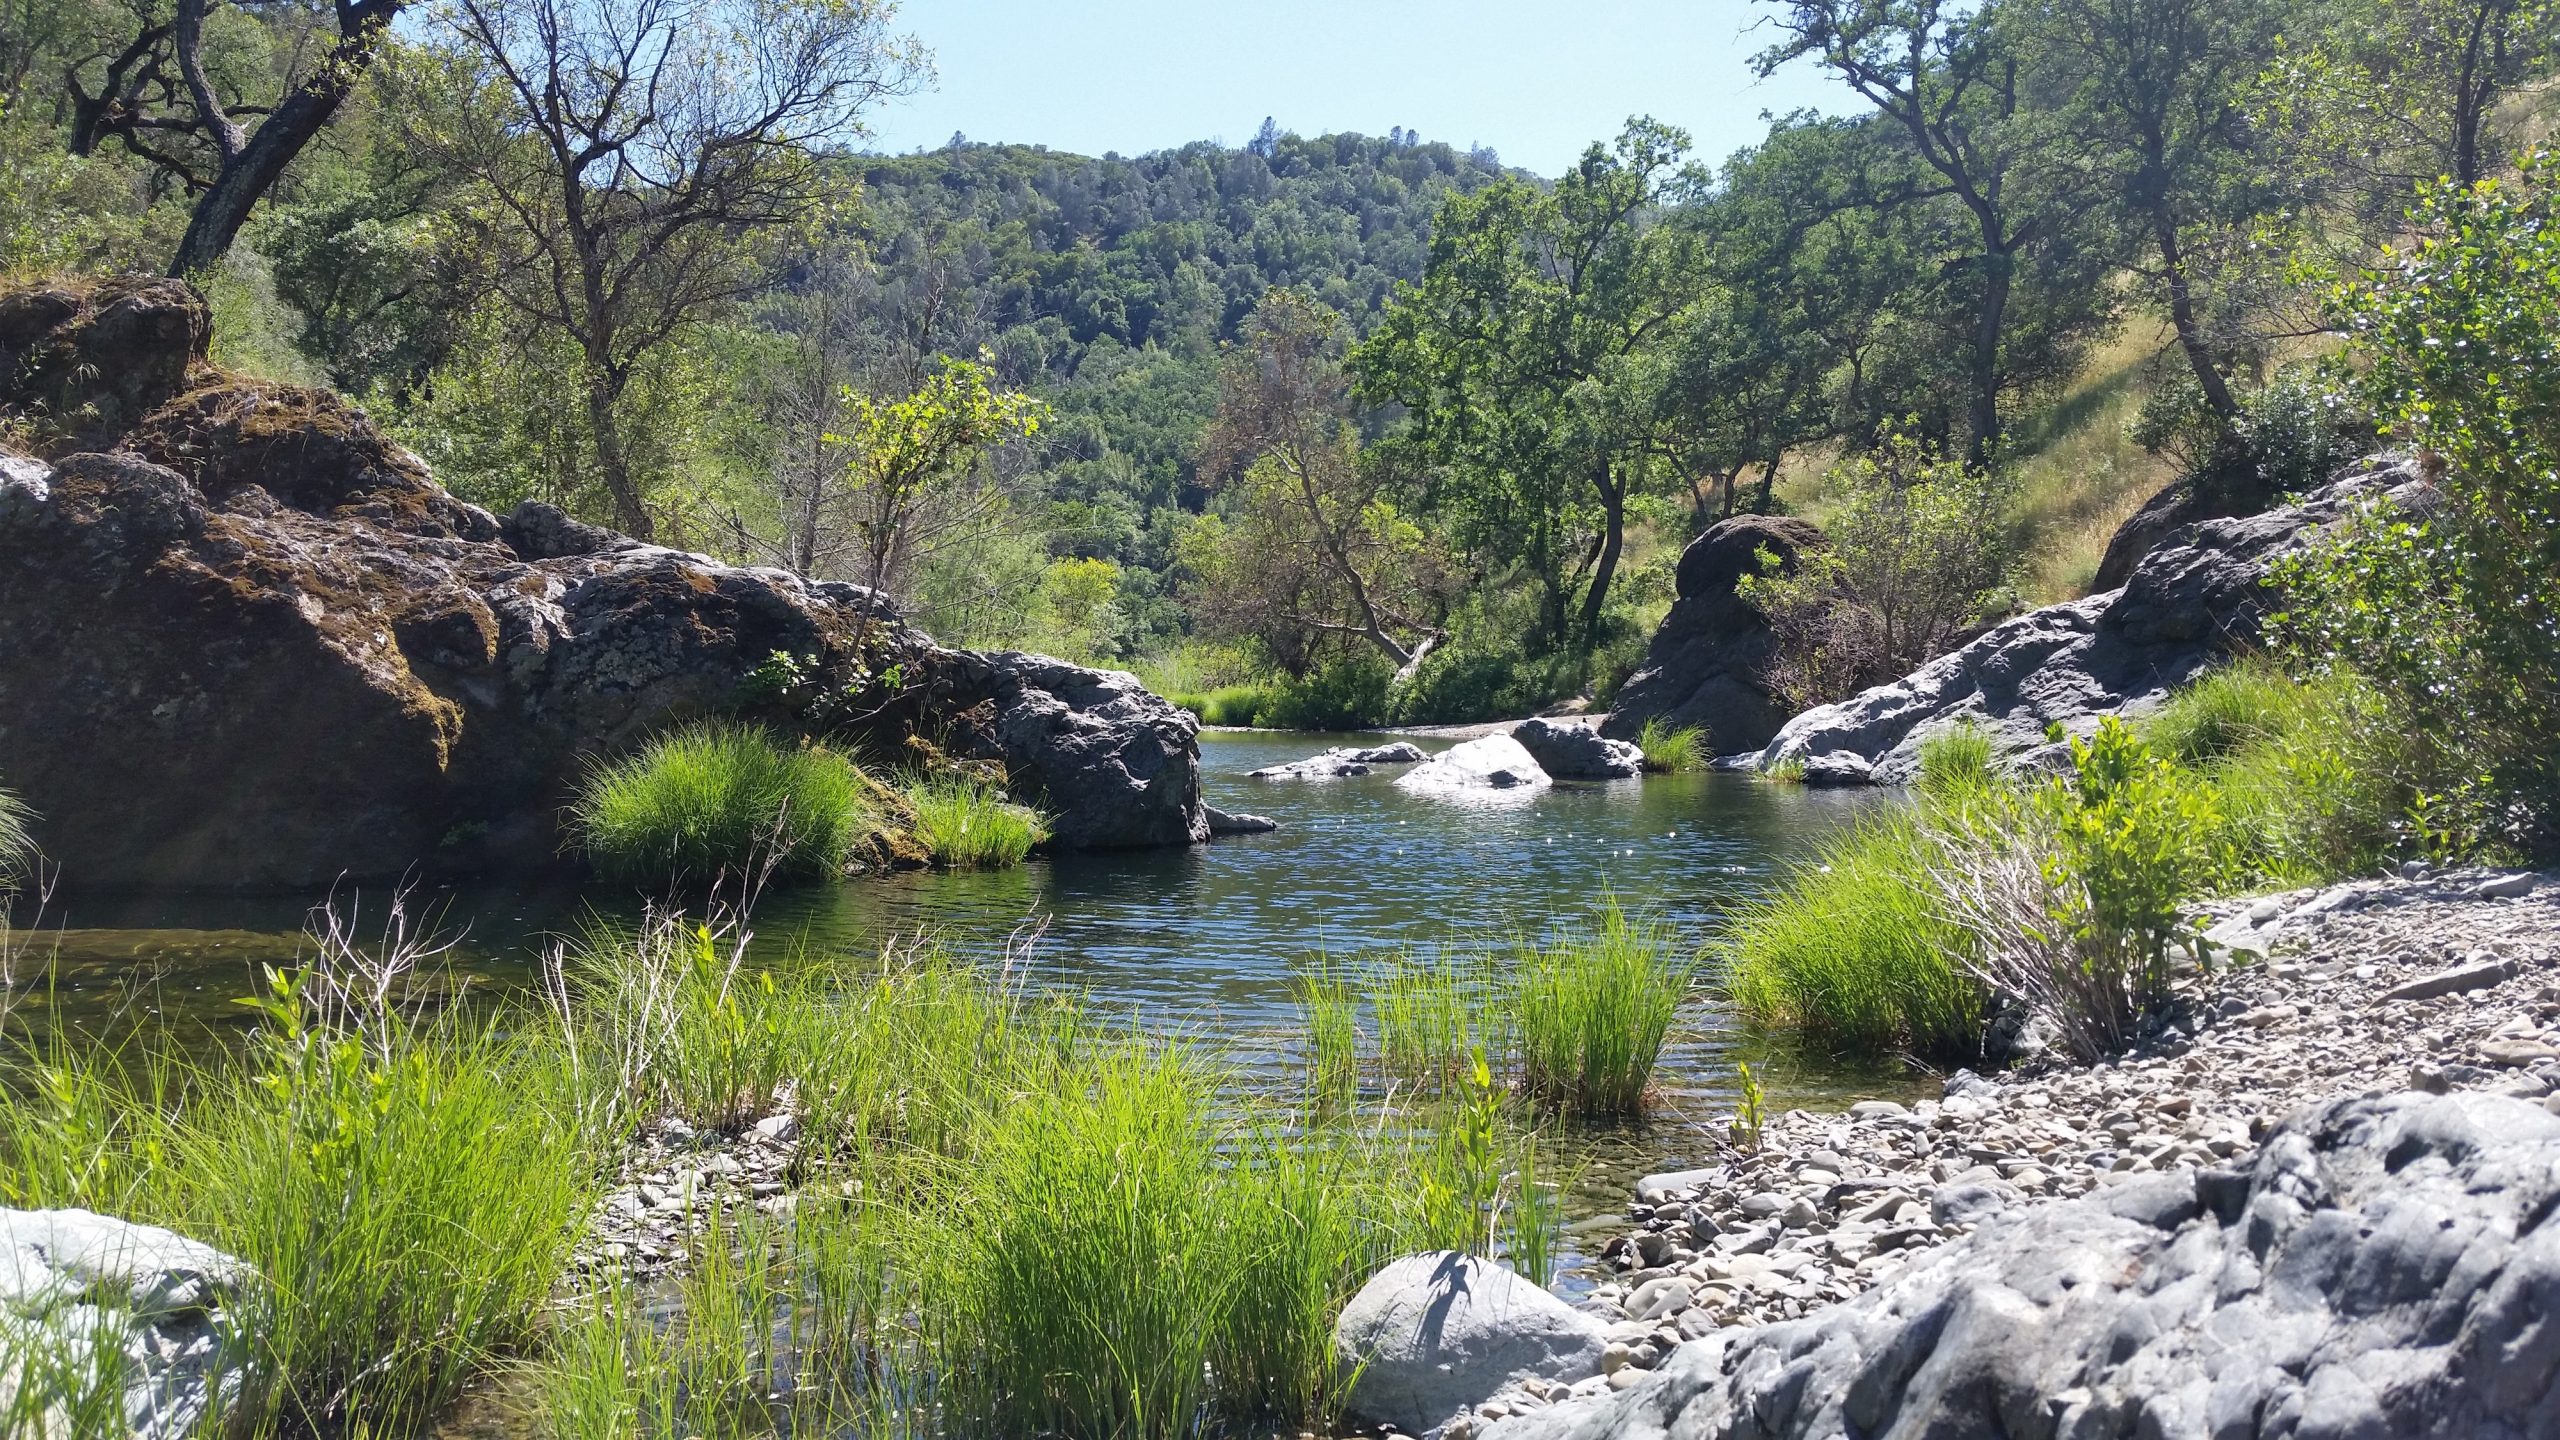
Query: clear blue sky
1536	81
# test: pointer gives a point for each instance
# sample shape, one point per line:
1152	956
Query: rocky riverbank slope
250	642
1889	1269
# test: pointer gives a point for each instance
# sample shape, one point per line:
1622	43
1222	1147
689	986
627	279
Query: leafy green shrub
1854	948
2455	615
716	797
1348	692
968	825
1592	1010
1918	551
1238	705
1669	747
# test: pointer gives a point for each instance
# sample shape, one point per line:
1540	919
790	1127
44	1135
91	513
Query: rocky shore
2426	983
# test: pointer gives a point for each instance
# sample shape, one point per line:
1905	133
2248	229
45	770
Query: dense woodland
1352	427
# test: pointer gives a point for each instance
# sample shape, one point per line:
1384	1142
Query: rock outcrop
2192	602
2386	1266
254	644
1569	751
1705	664
84	1296
1431	1335
1488	762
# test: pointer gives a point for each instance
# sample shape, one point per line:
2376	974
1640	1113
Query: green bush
1854	948
968	825
1345	693
1669	747
1237	705
713	798
2455	615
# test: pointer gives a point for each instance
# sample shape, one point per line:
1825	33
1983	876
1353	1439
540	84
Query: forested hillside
1354	428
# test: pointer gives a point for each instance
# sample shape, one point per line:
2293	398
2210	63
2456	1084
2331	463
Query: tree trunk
2182	315
251	169
1768	488
1613	506
604	395
1985	419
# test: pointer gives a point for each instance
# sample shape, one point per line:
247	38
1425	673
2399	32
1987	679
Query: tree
908	452
1523	359
1916	553
2155	91
174	86
1284	444
1946	77
630	145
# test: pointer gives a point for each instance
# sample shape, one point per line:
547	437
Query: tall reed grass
969	825
1592	1009
717	798
1669	747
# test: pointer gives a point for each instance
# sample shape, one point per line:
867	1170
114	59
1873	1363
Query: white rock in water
1492	762
1439	1333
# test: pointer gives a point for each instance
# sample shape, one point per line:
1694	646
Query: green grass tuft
1592	1011
1669	747
1955	761
967	825
1852	948
714	798
18	854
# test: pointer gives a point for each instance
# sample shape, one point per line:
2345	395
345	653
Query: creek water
1201	941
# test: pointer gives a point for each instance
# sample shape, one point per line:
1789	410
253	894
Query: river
1202	941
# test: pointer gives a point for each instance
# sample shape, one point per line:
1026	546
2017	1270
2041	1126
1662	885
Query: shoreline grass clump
1853	948
1592	1009
1670	748
18	853
717	798
969	825
405	1191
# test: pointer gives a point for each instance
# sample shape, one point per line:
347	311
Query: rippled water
1201	940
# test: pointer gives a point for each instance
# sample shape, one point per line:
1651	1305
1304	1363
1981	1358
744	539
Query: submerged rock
2383	1268
261	647
1434	1334
1237	822
83	1294
1705	666
2191	603
1490	762
1578	752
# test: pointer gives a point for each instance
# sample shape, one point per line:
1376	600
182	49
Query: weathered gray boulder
1577	752
86	1299
1341	762
1705	665
1437	1333
1489	762
1237	822
258	646
2191	603
2387	1267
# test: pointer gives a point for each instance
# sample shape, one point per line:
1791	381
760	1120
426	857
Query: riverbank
2430	982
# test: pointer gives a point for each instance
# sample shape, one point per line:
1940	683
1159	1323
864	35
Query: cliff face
245	640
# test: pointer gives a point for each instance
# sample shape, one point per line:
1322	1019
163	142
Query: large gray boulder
1435	1334
2193	602
1488	762
87	1300
1705	666
255	645
2389	1266
1341	762
1569	751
